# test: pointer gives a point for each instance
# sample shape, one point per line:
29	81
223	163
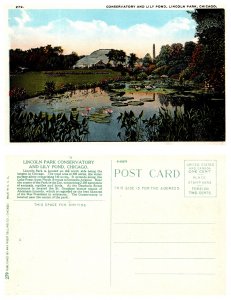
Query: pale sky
86	30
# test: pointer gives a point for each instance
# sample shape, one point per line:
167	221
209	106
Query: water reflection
103	108
170	100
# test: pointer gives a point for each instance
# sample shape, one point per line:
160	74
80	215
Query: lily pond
102	109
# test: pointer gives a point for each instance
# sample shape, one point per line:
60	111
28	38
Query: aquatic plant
131	126
196	124
101	115
42	127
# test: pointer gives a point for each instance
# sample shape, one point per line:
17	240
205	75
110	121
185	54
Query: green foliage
132	60
161	70
173	59
196	124
29	127
18	94
198	62
41	58
131	126
34	82
176	52
154	75
164	56
127	78
200	78
173	127
49	89
147	60
189	47
116	56
185	74
210	31
142	76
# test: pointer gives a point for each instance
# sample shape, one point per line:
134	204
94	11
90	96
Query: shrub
142	76
49	89
17	94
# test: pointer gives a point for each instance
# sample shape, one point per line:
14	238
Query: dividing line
174	257
203	274
111	228
164	242
166	223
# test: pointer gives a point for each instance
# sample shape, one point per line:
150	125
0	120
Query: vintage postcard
121	225
83	212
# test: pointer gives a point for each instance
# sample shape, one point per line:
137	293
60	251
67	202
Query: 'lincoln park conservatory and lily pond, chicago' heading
161	6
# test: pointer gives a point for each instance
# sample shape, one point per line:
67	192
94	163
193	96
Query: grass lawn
34	82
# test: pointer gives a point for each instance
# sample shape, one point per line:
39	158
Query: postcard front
130	73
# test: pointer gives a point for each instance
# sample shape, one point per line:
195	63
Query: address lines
164	223
170	242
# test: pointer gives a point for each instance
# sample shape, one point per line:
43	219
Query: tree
210	31
17	59
116	56
170	61
164	56
176	59
69	60
189	47
41	58
111	55
147	60
132	60
176	51
195	67
121	57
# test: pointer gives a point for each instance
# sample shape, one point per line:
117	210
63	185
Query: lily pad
147	99
114	98
118	103
135	103
99	120
116	85
100	116
127	97
120	98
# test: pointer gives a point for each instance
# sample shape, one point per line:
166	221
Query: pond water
102	108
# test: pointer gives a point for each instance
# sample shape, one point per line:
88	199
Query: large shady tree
210	31
118	57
